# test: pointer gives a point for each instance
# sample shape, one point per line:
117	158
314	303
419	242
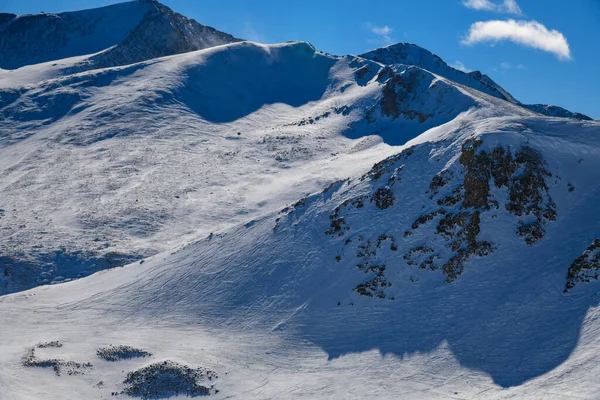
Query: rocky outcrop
586	267
473	188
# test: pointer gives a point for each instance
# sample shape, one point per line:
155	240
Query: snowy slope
123	33
331	297
294	224
128	161
411	54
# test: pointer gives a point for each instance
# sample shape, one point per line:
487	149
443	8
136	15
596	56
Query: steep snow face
128	161
356	278
410	54
126	33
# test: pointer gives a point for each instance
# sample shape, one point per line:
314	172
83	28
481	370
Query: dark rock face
6	17
398	93
585	267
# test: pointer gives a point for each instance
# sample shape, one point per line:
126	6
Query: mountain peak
411	54
118	34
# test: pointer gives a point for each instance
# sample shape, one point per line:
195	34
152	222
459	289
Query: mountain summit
119	34
411	54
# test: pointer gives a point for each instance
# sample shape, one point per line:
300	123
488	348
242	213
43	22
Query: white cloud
506	6
505	65
527	33
385	32
460	66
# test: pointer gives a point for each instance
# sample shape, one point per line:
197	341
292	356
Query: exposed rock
117	353
383	198
585	267
384	166
422	256
167	379
59	366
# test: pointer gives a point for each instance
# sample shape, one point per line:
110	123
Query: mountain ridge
122	33
271	221
412	54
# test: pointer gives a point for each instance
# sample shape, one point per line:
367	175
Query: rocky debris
167	379
383	198
439	181
60	366
374	286
383	237
585	267
384	166
423	219
423	257
337	223
45	345
524	175
377	282
121	352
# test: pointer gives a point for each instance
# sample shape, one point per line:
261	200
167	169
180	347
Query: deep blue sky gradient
342	27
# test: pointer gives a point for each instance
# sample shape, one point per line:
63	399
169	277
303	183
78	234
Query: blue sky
548	53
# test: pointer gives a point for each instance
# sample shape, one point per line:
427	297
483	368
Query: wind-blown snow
268	306
293	224
129	161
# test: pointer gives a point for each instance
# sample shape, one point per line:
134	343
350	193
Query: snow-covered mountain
293	224
410	54
556	111
455	268
119	34
165	151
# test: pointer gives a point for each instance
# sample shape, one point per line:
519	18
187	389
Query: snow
258	303
169	150
118	34
238	184
67	34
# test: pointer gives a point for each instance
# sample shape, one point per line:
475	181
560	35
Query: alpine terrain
185	213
